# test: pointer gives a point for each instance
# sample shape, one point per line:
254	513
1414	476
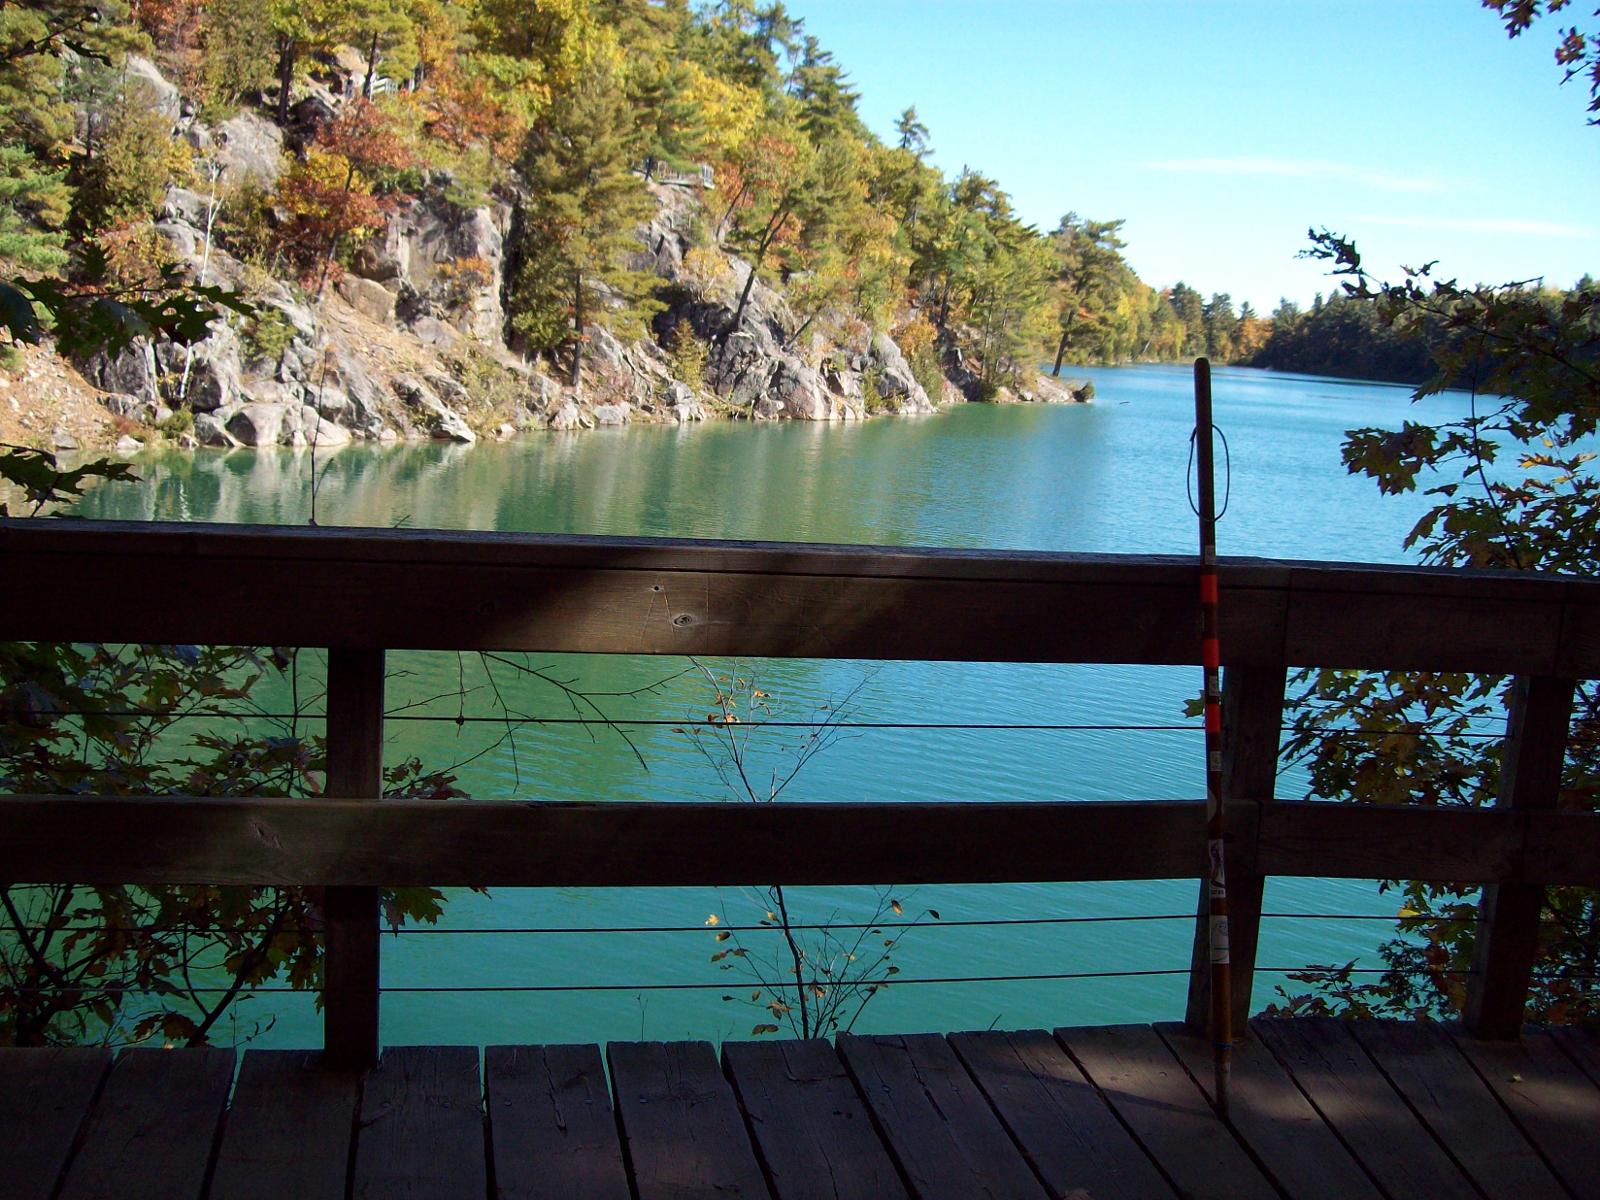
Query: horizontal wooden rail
478	591
174	839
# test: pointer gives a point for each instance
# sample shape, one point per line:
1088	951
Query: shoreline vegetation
462	220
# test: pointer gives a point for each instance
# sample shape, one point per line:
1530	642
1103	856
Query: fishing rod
1211	662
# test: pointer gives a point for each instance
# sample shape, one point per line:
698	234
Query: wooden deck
1321	1110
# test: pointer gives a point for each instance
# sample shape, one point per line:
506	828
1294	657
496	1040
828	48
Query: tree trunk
372	67
287	48
577	330
1061	350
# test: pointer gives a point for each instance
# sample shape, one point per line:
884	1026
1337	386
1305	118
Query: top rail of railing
424	589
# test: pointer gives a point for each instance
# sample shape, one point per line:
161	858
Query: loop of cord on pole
1227	472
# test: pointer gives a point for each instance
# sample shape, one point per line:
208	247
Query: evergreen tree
583	205
33	208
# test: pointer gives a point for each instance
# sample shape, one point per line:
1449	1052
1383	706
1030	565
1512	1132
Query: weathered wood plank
1388	842
812	1132
1553	1102
551	1128
948	1141
1153	1094
681	1128
355	768
1275	1120
643	596
45	1096
1446	1093
421	1132
1582	1046
1355	1099
1066	1131
154	1129
289	1129
1252	730
516	843
1507	944
171	839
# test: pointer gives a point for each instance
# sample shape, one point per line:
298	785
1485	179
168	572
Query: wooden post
1252	724
1508	933
355	769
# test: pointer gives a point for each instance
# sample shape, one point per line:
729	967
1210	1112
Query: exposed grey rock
250	149
132	372
183	205
1045	390
214	369
570	416
164	96
369	298
896	383
321	432
433	414
425	247
612	414
211	432
258	424
128	445
181	238
803	394
62	440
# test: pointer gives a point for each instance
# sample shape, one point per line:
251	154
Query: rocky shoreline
408	340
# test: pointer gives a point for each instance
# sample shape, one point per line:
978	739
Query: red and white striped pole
1211	661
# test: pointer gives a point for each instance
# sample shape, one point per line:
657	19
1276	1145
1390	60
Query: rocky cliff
407	340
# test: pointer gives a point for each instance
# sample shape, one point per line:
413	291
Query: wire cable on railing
697	721
992	922
736	985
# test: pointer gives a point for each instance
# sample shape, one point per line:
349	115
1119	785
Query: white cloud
1298	168
1487	225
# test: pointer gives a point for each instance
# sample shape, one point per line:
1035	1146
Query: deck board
1120	1113
1359	1104
1074	1141
1166	1111
421	1129
948	1141
682	1130
289	1129
153	1131
552	1131
1583	1047
1439	1084
45	1095
1550	1099
812	1131
1275	1120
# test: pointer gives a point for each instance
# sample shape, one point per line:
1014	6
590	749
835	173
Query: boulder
569	416
128	445
182	239
432	414
210	431
250	150
612	414
368	297
259	424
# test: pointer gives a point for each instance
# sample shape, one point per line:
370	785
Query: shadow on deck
1320	1109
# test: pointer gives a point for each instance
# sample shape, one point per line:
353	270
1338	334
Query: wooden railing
382	590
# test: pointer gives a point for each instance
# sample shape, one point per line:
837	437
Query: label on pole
1219	941
1218	875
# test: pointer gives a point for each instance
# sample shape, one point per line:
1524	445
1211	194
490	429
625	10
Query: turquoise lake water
1109	476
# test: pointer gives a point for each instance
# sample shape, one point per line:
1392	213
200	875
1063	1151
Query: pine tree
577	226
33	208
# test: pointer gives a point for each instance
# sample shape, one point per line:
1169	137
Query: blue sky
1222	130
